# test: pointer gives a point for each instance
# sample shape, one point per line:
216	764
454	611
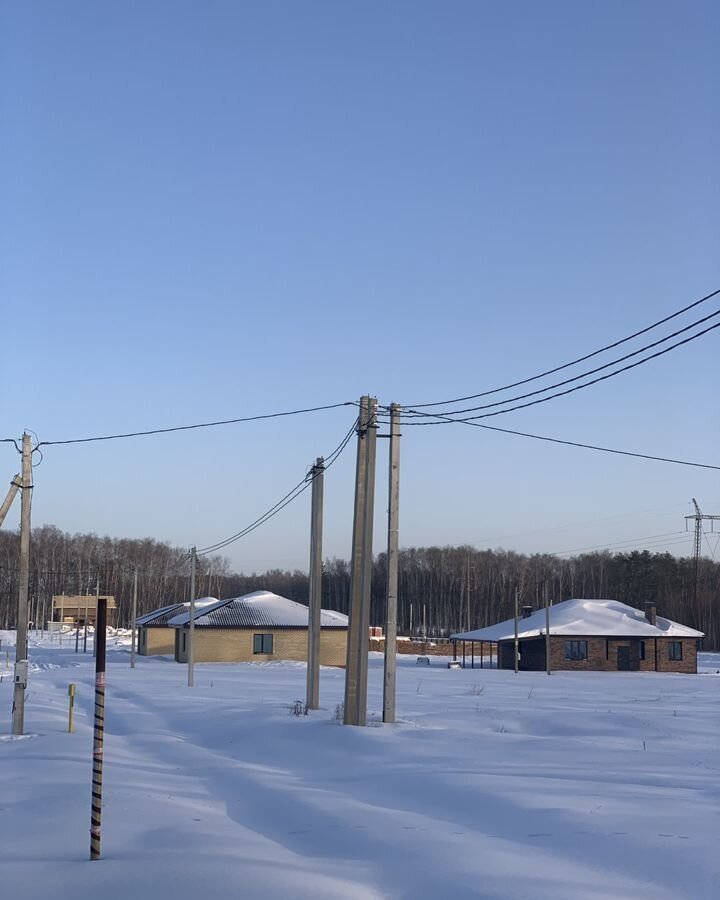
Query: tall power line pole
312	699
392	567
697	544
21	644
191	626
361	566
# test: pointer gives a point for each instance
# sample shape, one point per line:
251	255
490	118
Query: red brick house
590	635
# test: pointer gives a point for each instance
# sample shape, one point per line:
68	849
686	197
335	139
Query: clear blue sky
218	209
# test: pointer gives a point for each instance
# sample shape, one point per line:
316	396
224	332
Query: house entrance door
623	662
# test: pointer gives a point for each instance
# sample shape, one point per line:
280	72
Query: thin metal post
312	699
71	704
517	643
97	600
21	644
392	567
99	729
85	625
134	618
191	628
547	630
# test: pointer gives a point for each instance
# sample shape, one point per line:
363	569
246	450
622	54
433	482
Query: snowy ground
571	787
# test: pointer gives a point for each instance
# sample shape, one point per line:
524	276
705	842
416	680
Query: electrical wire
574	361
550	387
638	540
130	434
553	440
291	495
414	412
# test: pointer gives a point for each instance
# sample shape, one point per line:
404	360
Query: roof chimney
651	612
526	612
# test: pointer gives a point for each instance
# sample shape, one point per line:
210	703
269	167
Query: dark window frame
261	642
577	651
641	650
675	651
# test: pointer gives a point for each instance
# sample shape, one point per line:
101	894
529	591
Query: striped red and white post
99	733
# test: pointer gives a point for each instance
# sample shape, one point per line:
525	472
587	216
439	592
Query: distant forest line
449	588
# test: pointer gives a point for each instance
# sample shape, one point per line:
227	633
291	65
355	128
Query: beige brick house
590	635
155	636
258	627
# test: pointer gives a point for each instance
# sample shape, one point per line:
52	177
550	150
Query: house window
262	643
675	650
184	642
642	649
575	649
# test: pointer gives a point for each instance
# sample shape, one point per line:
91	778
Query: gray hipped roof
163	615
585	618
260	609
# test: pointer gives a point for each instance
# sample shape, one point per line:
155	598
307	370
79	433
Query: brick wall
156	641
602	655
236	645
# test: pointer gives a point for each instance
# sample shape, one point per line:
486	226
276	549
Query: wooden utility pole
99	730
134	618
15	486
191	626
361	566
21	645
517	643
392	567
312	699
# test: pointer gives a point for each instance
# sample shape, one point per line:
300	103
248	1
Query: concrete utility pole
312	699
392	567
191	628
15	486
361	566
134	618
547	630
517	643
21	645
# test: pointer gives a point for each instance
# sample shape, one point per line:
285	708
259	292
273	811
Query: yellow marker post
71	695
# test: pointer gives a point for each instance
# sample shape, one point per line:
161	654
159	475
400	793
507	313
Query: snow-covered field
492	785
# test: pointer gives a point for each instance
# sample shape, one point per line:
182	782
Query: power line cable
130	434
574	362
550	387
553	440
293	494
414	412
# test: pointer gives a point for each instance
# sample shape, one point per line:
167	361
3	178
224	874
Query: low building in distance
155	635
593	635
80	609
258	627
